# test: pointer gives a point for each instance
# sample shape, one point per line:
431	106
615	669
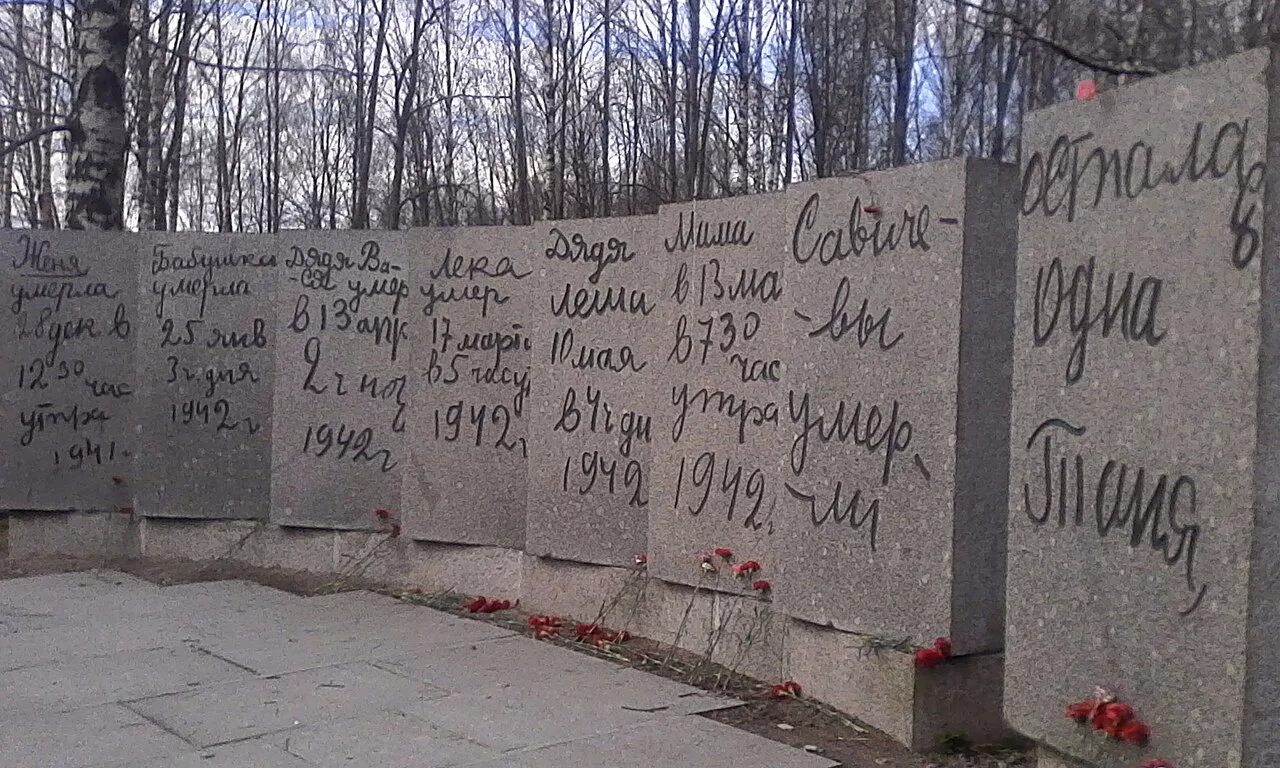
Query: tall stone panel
68	387
341	398
896	409
465	480
1143	539
595	364
723	354
205	367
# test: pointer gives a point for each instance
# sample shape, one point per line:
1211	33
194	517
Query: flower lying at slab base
487	605
382	514
600	637
761	585
723	552
1112	717
785	690
925	658
544	627
746	568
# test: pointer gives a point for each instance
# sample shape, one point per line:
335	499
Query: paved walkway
104	670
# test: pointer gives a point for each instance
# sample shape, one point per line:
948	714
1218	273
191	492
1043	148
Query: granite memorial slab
896	409
594	366
69	383
205	358
1145	433
465	479
341	395
719	436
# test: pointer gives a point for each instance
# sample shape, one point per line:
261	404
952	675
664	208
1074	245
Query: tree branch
10	145
1027	32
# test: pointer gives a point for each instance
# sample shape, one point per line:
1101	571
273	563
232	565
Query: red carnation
1081	711
761	585
395	530
723	552
1158	762
477	604
943	644
1110	718
382	514
785	690
746	567
1135	732
928	657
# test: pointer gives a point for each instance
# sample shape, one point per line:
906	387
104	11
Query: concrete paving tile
69	640
521	667
391	739
72	594
80	682
676	741
82	738
245	709
15	619
271	648
242	754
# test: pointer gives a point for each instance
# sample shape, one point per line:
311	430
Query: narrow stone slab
254	753
67	435
1142	527
109	735
465	481
341	396
269	705
597	374
386	739
67	684
717	477
672	741
205	357
902	294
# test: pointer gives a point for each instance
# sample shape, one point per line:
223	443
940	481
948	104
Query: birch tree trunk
98	135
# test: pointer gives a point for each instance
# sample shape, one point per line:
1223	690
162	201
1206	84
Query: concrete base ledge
919	708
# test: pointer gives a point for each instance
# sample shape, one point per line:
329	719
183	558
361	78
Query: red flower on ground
1081	711
1135	732
762	585
382	514
784	690
746	567
543	621
943	644
1086	90
1158	762
395	530
1110	718
546	633
487	605
926	658
723	552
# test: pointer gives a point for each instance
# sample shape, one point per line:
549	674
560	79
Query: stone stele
596	358
1143	541
341	395
206	363
465	481
724	350
896	410
66	348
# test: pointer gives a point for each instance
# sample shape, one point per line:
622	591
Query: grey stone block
724	353
897	402
1142	537
430	566
597	380
109	735
341	396
205	369
269	705
100	536
465	477
67	435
